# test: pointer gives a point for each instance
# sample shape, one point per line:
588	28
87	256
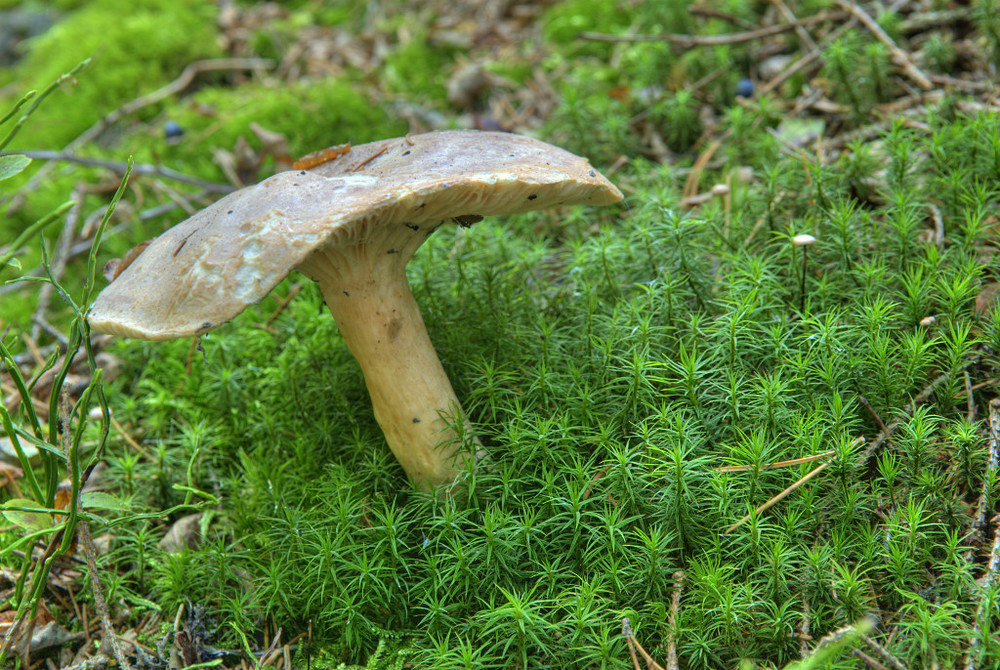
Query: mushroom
351	223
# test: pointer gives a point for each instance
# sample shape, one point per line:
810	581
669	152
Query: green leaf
99	500
12	164
16	512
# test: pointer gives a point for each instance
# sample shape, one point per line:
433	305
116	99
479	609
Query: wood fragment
978	521
985	583
938	225
804	636
806	60
129	258
691	183
369	159
874	415
321	156
975	86
283	303
970	398
119	167
710	12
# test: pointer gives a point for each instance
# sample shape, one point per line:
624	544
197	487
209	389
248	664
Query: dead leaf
988	297
185	533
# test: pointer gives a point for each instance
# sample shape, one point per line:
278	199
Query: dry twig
979	518
781	496
800	31
675	605
176	86
901	58
985	582
804	635
779	464
689	41
58	265
635	648
806	60
868	660
885	432
884	653
119	167
921	397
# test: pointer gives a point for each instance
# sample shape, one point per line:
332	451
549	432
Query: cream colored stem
410	392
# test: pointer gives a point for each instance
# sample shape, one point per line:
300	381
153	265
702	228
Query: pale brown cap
209	268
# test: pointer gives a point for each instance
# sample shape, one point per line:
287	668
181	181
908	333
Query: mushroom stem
411	395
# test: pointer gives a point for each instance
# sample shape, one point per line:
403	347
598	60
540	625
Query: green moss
311	115
564	22
589	121
418	69
610	379
135	46
612	365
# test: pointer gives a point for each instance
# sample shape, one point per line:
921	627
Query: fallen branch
868	660
119	167
688	41
806	60
83	246
802	33
174	87
884	434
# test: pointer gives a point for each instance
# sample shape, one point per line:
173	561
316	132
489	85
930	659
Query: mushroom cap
207	269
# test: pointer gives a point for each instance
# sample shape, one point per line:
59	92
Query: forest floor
745	419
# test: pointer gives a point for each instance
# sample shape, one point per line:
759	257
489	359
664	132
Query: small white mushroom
351	223
805	241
